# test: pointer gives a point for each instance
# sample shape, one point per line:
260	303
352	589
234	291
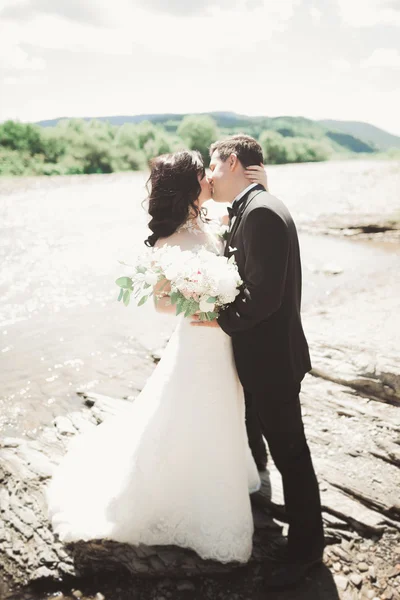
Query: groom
270	348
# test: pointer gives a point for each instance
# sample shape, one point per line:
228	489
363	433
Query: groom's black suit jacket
264	321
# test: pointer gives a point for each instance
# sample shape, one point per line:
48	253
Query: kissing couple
179	466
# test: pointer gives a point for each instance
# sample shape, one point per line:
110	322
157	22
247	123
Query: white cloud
383	57
367	13
76	10
13	57
130	30
341	65
55	33
25	79
92	11
316	15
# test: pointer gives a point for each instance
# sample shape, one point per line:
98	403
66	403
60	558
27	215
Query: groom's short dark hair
246	148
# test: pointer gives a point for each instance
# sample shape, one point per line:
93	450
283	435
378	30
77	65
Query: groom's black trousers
274	412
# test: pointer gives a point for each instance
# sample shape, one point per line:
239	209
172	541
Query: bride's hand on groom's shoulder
197	323
257	174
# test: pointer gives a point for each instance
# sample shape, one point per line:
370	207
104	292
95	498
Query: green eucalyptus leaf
142	300
211	316
121	262
127	297
174	297
194	307
190	310
180	305
124	282
121	293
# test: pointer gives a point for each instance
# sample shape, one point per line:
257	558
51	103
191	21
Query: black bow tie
237	204
233	210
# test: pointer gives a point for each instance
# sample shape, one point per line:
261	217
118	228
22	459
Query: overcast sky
336	59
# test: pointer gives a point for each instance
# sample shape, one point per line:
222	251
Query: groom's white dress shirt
243	192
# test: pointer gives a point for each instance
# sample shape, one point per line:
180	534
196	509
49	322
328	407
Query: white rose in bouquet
151	278
227	284
171	272
206	306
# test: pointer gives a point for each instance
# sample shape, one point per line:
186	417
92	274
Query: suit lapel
250	196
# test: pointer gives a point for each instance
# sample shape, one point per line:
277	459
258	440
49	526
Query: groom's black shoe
290	574
277	550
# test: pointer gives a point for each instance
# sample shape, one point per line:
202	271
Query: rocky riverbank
374	228
355	445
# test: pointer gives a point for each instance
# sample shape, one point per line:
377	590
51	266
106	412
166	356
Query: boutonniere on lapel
223	232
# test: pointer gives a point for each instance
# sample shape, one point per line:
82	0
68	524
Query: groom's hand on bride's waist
197	323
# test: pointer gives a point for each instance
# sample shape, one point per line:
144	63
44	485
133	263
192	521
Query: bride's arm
224	219
257	174
162	301
162	290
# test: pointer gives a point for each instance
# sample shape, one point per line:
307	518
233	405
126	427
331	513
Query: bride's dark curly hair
173	188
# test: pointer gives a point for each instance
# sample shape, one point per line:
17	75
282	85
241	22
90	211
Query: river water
61	328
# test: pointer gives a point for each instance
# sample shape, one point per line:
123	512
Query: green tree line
76	146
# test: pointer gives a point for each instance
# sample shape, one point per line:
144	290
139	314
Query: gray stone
332	269
363	567
10	442
356	579
41	572
341	582
394	571
361	557
64	425
186	586
157	355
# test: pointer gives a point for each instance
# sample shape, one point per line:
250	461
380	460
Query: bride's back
193	234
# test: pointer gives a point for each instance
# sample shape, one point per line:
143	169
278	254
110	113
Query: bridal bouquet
200	281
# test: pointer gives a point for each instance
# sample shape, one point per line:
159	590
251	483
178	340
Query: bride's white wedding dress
176	467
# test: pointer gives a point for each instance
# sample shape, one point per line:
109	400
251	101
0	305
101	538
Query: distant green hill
370	134
71	146
230	123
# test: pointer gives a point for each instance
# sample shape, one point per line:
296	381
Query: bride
176	468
